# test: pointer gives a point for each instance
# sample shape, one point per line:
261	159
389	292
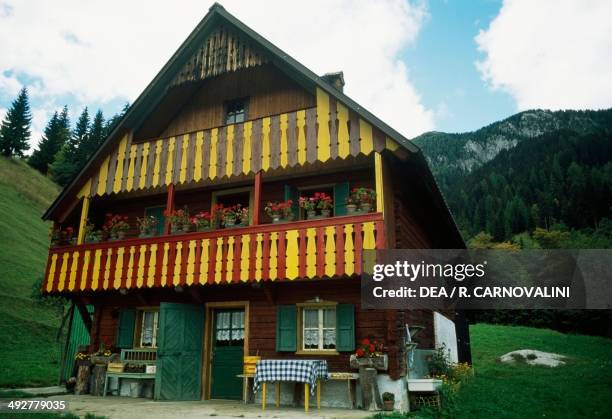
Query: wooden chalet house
231	119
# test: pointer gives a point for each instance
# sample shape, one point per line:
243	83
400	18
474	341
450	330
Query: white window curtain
319	328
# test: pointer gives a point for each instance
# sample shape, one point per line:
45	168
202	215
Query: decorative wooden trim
330	247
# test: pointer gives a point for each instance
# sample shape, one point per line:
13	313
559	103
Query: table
307	371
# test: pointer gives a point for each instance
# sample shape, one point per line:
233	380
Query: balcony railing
330	247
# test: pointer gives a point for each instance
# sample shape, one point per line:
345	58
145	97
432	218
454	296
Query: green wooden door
179	352
228	352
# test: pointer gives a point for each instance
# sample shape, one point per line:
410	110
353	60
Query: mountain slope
452	156
560	176
28	353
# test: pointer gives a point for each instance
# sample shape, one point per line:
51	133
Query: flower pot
176	228
203	228
365	207
351	208
186	228
230	221
388	405
311	214
276	218
325	213
120	235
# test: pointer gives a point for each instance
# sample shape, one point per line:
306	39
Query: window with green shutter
341	192
125	329
292	193
345	327
157	212
286	328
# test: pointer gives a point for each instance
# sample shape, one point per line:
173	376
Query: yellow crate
250	363
115	367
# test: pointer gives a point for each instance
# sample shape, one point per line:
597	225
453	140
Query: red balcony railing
298	250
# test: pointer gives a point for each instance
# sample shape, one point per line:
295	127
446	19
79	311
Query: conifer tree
15	128
56	133
69	159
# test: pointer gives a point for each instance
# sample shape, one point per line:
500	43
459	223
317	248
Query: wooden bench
133	356
351	383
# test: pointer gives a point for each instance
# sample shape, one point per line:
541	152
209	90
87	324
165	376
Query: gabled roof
156	89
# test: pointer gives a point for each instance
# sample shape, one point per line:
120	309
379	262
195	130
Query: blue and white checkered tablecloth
297	370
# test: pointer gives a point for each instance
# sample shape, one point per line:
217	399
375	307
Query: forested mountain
453	156
534	169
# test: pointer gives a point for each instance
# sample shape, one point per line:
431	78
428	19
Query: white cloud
90	50
550	54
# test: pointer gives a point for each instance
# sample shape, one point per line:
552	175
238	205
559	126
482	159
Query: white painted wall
444	332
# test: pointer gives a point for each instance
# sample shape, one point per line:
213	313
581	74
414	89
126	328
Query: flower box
380	362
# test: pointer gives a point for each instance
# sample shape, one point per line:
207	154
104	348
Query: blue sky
442	66
420	65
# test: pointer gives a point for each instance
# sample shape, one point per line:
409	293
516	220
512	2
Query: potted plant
92	235
243	216
365	197
351	205
179	220
217	215
324	203
235	215
388	401
202	221
116	226
309	205
61	236
278	211
147	225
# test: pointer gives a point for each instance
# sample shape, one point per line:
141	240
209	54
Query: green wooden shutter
293	194
345	327
286	329
125	330
341	192
157	212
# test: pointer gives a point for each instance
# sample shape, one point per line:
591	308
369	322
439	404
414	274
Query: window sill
318	352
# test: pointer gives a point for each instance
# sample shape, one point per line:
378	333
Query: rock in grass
533	357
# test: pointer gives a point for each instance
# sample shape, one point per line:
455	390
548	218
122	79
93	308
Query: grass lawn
582	388
29	354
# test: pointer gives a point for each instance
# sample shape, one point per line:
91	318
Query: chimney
335	79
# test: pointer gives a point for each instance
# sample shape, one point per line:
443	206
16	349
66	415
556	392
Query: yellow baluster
152	266
292	255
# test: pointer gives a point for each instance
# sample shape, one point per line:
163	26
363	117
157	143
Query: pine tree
69	159
94	138
55	136
15	129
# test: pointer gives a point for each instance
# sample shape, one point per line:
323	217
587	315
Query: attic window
235	111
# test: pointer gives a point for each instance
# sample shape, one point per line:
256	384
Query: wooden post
277	393
306	396
263	396
169	207
257	199
83	222
378	175
82	383
370	394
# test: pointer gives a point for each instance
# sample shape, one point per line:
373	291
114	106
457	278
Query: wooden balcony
330	247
